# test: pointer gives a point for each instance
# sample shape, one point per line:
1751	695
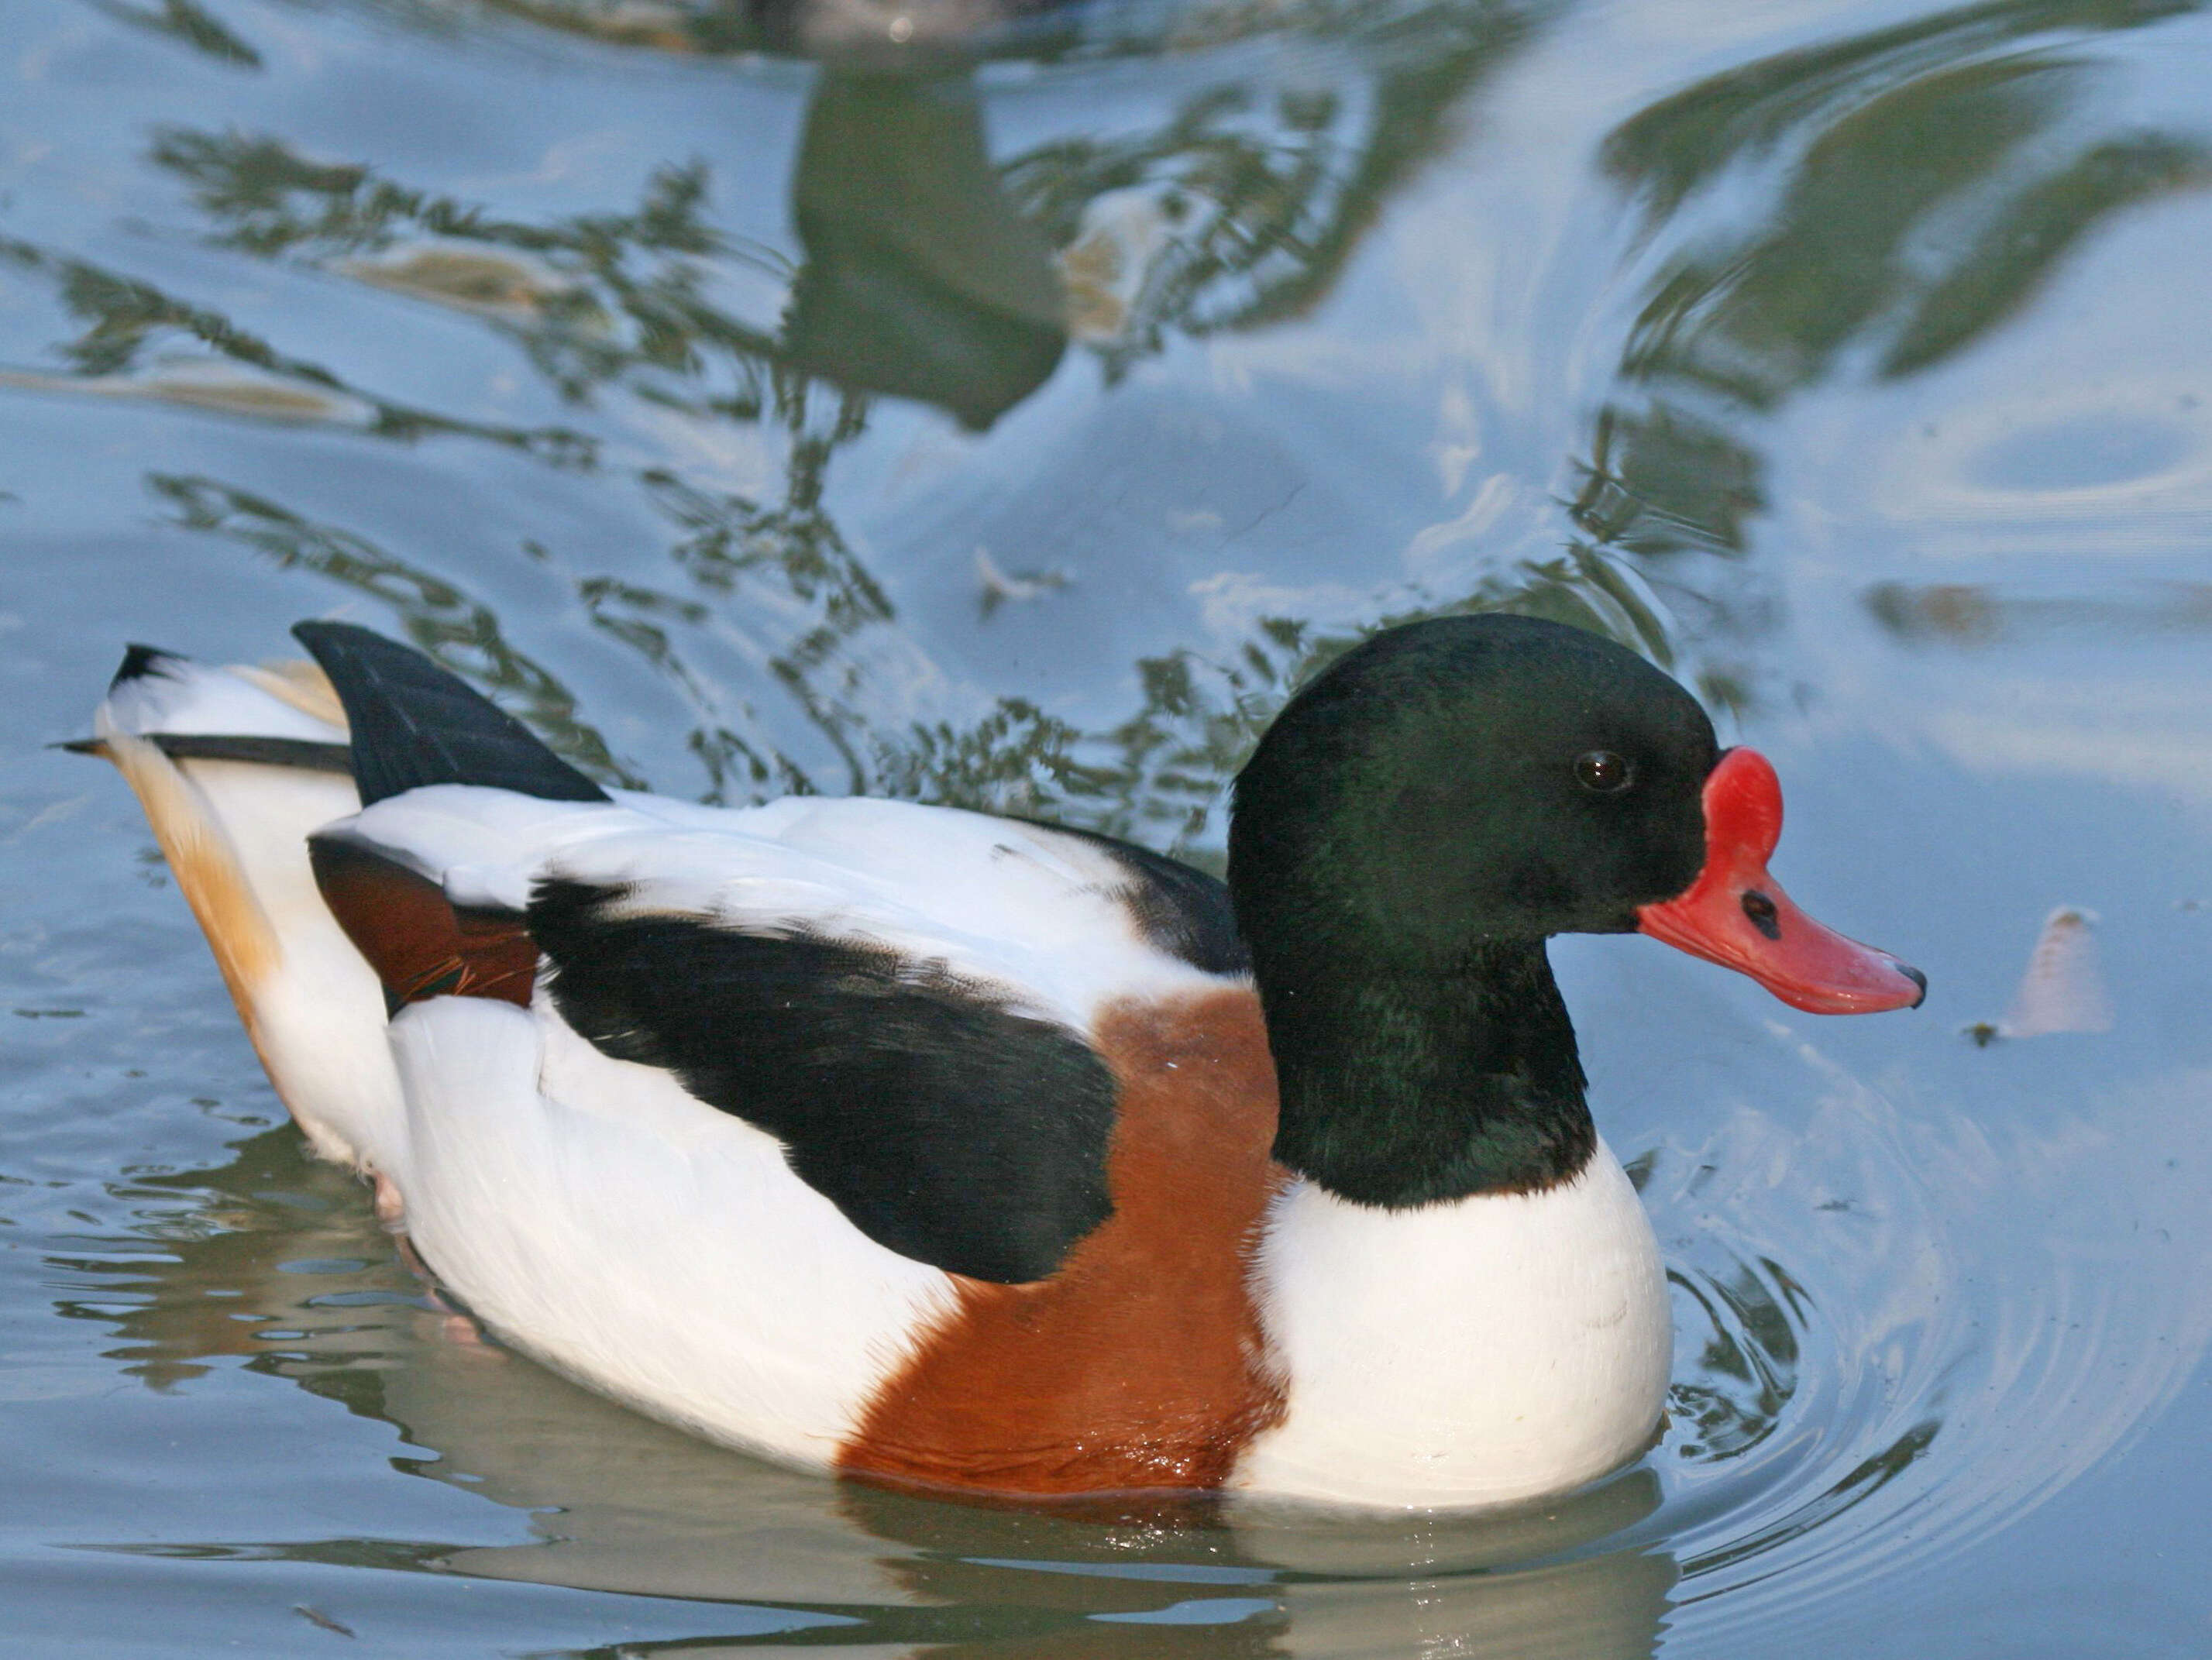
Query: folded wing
901	996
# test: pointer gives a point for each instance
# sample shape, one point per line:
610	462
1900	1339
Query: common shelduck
940	1149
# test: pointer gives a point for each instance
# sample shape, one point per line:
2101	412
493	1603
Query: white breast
1472	1353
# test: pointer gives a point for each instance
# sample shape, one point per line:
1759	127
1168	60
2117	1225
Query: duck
971	1154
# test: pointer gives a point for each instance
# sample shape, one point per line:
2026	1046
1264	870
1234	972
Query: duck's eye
1603	771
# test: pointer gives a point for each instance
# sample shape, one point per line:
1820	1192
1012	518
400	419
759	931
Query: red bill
1736	915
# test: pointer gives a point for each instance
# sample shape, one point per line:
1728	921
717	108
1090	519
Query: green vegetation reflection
1871	206
1916	187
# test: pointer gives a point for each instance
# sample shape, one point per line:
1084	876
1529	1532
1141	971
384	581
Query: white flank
1475	1352
625	1232
235	834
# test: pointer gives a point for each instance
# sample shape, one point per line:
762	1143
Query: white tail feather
235	836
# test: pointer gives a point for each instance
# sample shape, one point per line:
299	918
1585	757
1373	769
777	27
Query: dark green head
1468	779
1417	822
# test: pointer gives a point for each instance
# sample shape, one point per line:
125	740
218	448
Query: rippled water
1008	416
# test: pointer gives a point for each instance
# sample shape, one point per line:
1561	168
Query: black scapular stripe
413	724
302	754
946	1125
1178	910
141	660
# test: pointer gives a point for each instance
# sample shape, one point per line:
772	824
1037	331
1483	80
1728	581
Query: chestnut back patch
419	942
1141	1364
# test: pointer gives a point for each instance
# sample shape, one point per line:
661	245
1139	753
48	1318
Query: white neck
1472	1353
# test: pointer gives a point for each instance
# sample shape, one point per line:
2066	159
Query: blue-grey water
1004	404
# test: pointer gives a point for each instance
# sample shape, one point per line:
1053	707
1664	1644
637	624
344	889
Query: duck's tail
235	768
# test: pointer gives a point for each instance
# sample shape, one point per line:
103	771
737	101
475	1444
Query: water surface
1008	415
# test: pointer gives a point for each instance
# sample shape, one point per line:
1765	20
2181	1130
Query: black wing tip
557	899
341	635
81	746
140	662
416	723
1177	908
334	644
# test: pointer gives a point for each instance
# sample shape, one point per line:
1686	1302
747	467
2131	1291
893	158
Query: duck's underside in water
924	1145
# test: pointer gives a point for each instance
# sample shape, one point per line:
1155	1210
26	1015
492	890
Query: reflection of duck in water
626	1506
937	1148
921	279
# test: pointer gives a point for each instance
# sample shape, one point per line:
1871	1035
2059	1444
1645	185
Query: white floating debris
1000	587
491	282
213	384
2062	989
1105	269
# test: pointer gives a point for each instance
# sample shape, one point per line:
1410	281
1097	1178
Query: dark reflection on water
1752	1353
928	272
1946	117
1922	181
921	278
1914	187
131	327
460	632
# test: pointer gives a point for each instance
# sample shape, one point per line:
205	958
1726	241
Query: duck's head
1476	780
1419	820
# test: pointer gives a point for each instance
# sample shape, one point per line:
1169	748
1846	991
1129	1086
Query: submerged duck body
942	1149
